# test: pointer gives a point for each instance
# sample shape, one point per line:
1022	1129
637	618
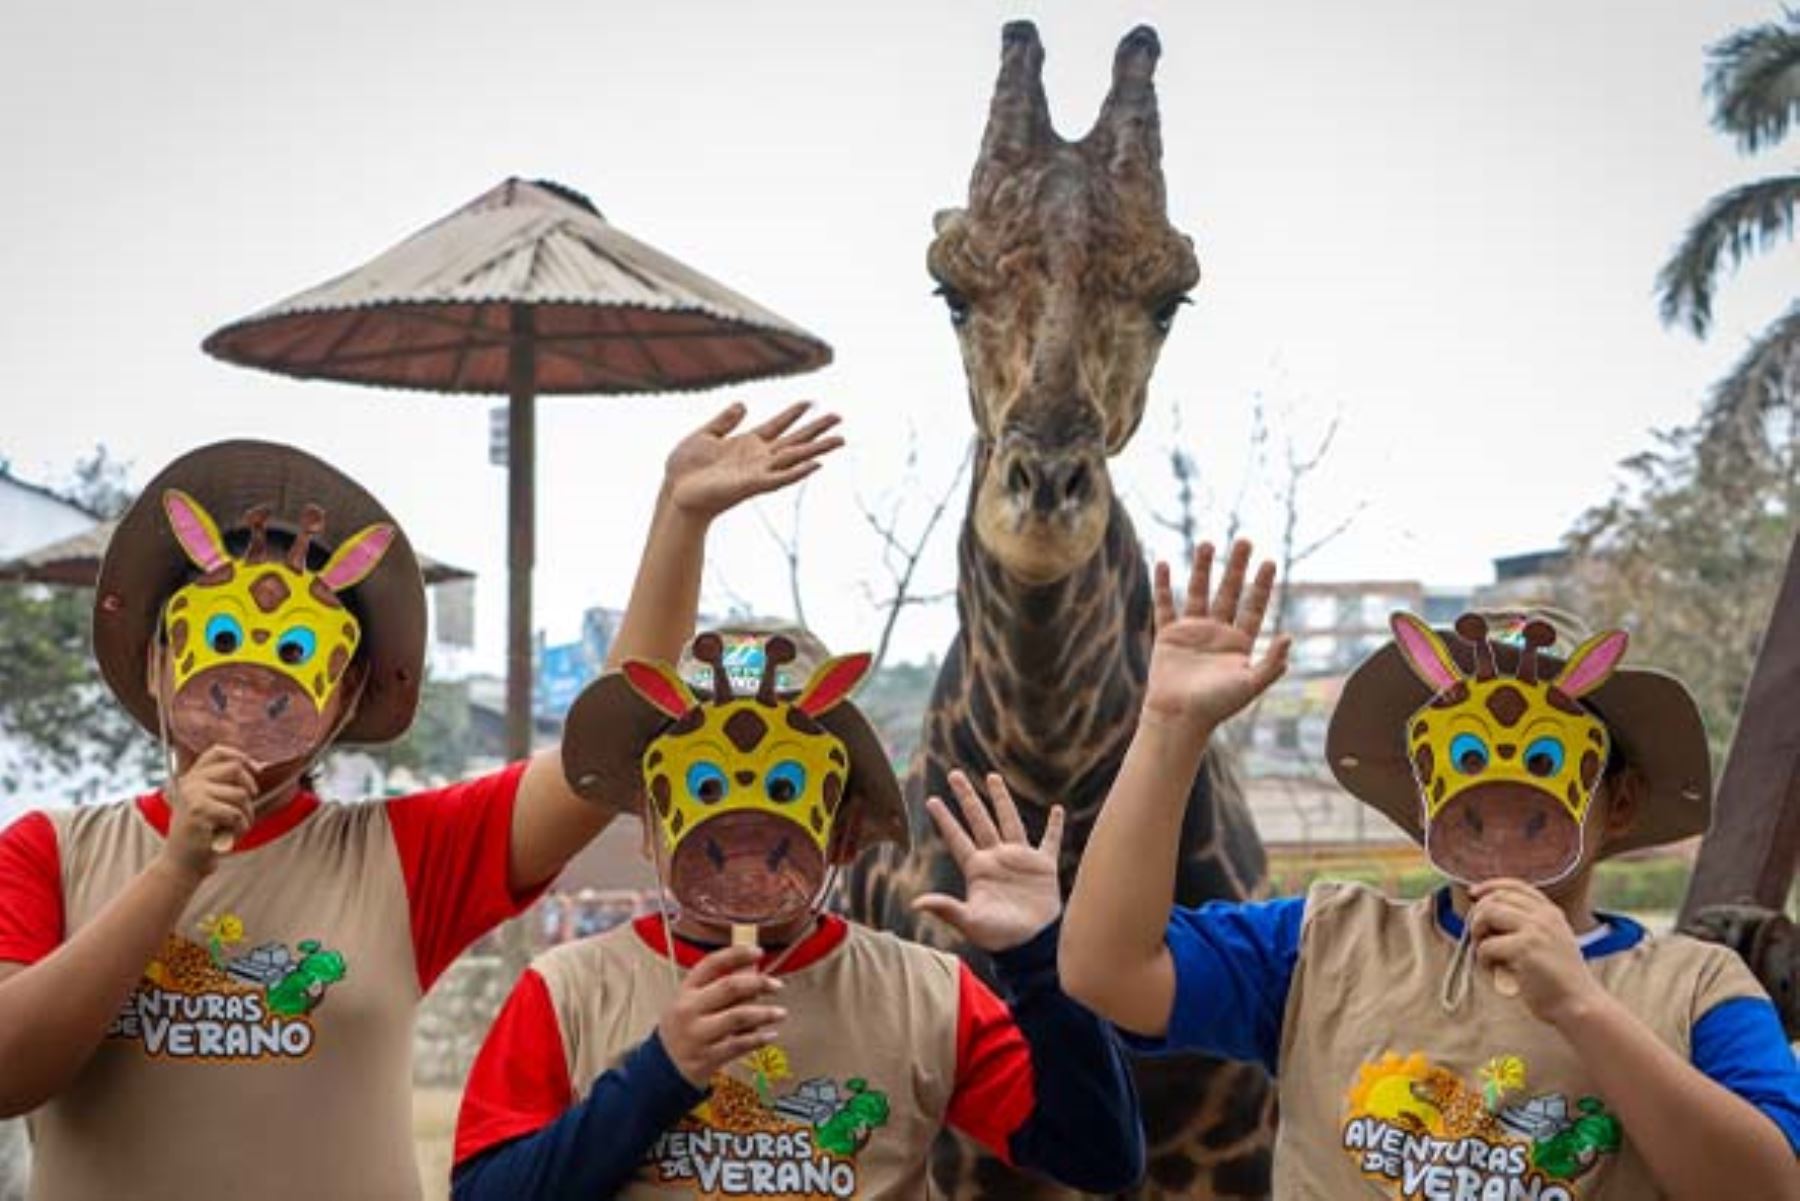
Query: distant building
32	516
1537	577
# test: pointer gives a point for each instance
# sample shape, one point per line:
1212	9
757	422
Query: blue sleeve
1084	1129
1234	961
593	1149
1740	1044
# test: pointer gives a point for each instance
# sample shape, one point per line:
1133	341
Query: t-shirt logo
1421	1131
226	1000
751	1138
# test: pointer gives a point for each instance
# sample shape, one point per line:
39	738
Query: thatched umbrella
74	562
524	290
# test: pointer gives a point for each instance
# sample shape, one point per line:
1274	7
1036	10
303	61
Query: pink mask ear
835	680
1424	652
352	562
660	686
1592	664
195	529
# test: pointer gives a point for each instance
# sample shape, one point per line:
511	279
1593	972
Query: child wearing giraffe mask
1499	1038
815	1058
209	990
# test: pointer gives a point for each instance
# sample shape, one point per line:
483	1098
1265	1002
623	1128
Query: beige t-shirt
845	1105
1384	1093
266	1052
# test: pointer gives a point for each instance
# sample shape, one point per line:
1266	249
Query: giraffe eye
296	646
706	783
1469	753
1544	757
1164	316
956	302
224	634
785	781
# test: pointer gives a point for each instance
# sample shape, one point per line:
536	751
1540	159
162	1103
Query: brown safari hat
144	565
610	726
1653	721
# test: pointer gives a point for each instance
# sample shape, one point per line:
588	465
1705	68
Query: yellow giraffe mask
746	789
1506	765
259	644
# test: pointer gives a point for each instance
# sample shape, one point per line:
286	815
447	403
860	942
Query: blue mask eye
1469	754
706	783
1544	757
223	633
296	646
785	781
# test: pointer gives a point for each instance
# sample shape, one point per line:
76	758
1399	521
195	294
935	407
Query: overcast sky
1439	219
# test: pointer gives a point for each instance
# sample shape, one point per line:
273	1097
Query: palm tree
1753	79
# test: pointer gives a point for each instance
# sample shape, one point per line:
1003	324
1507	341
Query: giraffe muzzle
748	868
1504	829
263	713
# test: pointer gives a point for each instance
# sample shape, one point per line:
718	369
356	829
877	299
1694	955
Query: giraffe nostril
778	855
1079	484
1018	479
277	707
217	695
714	855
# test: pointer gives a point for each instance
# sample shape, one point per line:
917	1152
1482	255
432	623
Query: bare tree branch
790	550
901	558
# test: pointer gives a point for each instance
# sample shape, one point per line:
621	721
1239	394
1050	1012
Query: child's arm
1040	1082
55	1010
1114	956
1700	1139
708	472
521	1136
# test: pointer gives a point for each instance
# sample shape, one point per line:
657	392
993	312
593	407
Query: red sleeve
31	904
520	1081
454	844
996	1089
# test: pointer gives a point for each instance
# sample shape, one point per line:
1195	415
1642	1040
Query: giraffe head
259	644
1063	277
1507	766
746	789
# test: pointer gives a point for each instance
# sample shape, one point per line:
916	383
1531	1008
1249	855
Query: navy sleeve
1740	1044
593	1149
1084	1129
1234	961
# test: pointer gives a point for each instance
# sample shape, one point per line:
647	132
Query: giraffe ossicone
259	644
1506	765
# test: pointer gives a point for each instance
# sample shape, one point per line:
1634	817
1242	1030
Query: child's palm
1203	668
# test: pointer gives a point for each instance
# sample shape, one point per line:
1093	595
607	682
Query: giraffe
1062	277
258	642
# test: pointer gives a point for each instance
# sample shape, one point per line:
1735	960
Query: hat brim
1649	713
610	726
144	565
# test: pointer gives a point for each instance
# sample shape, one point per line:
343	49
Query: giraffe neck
1053	674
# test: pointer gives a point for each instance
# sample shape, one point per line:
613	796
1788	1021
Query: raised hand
714	468
1012	885
1203	667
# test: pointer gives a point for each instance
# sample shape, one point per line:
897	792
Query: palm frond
1733	226
1766	374
1753	77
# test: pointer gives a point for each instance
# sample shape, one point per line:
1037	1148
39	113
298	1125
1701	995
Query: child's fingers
778	425
792	456
719	964
734	990
974	811
1231	584
1273	664
1200	580
744	1019
1162	595
1051	844
740	1045
1502	950
956	839
725	420
811	430
1011	827
1256	605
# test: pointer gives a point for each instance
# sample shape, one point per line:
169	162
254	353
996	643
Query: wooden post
521	485
1749	854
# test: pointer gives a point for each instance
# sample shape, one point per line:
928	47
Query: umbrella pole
521	478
